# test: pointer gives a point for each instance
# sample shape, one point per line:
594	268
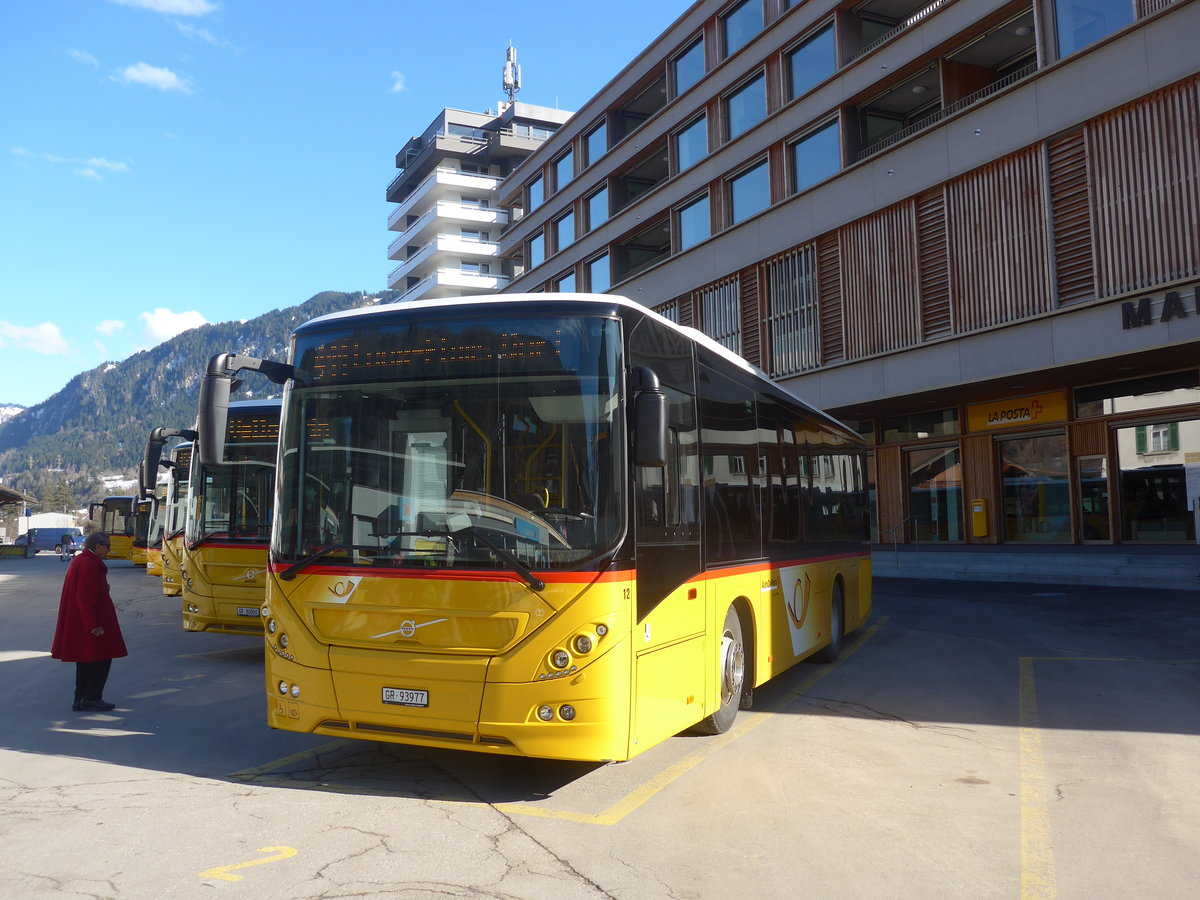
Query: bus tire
837	626
731	662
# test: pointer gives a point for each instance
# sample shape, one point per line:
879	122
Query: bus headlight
283	640
283	687
560	659
567	711
583	644
295	691
545	713
271	626
601	630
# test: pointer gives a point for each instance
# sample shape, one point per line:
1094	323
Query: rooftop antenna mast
512	74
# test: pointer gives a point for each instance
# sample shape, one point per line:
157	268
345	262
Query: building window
536	253
596	143
474	234
1083	22
750	192
720	310
1035	489
811	63
564	231
599	279
815	157
920	425
792	320
597	208
669	311
741	24
534	194
564	170
476	268
688	67
935	494
474	202
691	144
695	223
1153	392
565	284
746	107
1156	495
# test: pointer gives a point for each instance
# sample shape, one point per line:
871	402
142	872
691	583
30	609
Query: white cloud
89	173
110	326
172	7
84	57
44	338
162	324
19	151
399	83
152	76
203	34
99	162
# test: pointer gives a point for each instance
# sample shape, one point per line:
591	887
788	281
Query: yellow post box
979	518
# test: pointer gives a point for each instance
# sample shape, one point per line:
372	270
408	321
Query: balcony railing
948	110
494	180
455	278
908	23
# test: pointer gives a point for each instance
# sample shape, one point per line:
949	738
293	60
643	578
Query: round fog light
271	626
602	630
567	711
283	687
296	691
283	640
545	713
560	659
583	644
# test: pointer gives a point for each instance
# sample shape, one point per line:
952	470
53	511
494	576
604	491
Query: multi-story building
970	227
447	214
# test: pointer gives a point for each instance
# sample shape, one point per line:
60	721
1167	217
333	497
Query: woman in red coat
87	633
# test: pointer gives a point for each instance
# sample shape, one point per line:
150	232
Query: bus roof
692	334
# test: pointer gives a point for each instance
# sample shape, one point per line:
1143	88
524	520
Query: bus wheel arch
734	670
837	623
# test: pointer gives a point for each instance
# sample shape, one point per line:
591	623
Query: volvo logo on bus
408	628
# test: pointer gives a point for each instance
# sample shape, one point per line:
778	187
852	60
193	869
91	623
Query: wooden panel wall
979	482
1146	187
752	317
999	254
889	494
1071	219
829	290
933	263
1087	438
880	296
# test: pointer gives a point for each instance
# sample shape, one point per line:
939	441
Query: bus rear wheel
837	626
731	659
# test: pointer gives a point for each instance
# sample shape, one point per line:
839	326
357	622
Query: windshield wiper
515	564
294	569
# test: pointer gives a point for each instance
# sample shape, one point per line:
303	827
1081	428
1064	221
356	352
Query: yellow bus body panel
120	546
154	561
219	580
172	561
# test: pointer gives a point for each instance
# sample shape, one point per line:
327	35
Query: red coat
85	604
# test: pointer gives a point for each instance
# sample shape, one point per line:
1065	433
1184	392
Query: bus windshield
455	444
234	500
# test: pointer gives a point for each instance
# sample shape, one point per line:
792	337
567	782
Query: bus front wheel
731	659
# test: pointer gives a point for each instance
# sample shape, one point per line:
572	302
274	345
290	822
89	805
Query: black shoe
77	705
103	705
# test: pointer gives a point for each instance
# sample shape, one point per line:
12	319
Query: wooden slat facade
1146	183
979	482
879	287
829	299
933	263
1071	219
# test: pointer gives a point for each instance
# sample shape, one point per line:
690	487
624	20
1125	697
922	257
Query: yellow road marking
222	872
1038	881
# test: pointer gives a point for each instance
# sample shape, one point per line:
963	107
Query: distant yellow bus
117	518
175	518
139	553
228	524
155	534
548	525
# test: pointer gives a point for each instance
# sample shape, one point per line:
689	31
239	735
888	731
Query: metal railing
908	23
937	115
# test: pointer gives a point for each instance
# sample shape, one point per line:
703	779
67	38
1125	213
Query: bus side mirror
213	416
649	420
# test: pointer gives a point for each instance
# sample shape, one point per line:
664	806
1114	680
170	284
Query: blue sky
165	163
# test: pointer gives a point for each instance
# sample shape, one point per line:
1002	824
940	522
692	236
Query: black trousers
90	678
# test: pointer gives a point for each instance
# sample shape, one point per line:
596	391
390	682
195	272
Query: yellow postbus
228	524
139	553
117	518
547	525
180	464
155	533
